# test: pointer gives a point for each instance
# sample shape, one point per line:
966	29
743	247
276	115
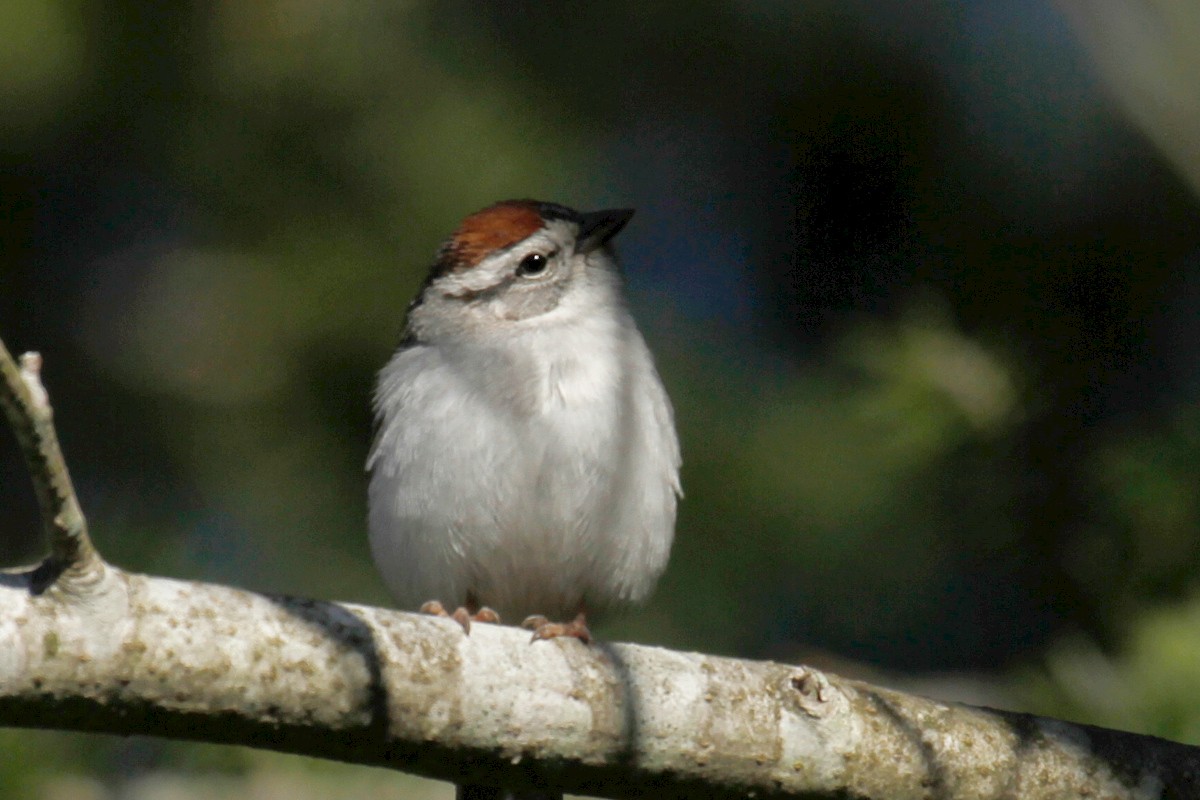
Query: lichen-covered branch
168	658
124	653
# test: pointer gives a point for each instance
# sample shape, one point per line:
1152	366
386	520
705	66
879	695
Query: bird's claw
461	615
486	614
545	629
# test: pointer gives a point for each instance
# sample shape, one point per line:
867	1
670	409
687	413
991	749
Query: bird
525	464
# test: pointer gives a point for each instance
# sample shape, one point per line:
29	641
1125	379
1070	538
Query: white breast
530	485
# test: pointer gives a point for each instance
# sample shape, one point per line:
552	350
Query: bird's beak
597	227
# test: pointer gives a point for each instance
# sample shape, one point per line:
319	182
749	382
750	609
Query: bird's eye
532	264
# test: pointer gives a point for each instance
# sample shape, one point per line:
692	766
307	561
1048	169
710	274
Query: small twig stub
26	403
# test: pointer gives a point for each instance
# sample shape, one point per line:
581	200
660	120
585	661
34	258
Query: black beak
597	227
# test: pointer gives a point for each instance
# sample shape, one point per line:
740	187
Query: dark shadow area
1176	766
935	781
338	624
22	579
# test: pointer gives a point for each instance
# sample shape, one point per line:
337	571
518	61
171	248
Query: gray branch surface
139	654
86	646
25	403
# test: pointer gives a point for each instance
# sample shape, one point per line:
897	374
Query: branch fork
73	565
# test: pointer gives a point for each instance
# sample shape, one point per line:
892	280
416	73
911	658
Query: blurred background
923	280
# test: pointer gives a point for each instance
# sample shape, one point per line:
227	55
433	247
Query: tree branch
27	407
126	653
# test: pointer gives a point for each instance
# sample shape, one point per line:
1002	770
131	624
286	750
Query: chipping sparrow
526	458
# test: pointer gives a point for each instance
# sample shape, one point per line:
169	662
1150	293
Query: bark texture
138	654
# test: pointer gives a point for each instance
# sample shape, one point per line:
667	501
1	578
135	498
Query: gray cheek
523	302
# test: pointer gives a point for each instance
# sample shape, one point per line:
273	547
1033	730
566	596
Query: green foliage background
924	301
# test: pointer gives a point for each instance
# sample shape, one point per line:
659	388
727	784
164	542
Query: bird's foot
545	629
462	615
